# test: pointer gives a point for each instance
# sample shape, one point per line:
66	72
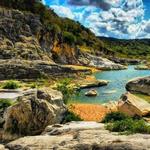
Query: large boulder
139	85
81	136
35	110
133	105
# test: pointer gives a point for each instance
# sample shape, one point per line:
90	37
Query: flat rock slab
91	136
10	94
72	127
13	94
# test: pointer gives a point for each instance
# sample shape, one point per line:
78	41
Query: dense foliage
114	116
11	85
129	48
120	122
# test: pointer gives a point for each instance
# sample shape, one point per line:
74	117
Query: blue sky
128	19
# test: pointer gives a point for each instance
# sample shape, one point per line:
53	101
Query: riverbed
115	88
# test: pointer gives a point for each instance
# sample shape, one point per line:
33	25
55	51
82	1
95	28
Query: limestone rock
139	85
23	69
81	135
2	147
133	105
34	111
101	63
90	81
91	93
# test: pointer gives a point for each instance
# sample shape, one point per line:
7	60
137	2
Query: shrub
70	116
67	91
114	116
4	103
129	126
69	38
11	85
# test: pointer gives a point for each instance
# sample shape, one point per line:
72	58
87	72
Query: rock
91	93
139	85
72	127
34	111
112	106
89	82
133	105
125	61
100	63
142	67
23	69
2	147
81	135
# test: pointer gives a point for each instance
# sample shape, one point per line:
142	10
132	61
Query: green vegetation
128	48
115	116
69	38
119	122
129	126
11	85
4	103
70	116
67	90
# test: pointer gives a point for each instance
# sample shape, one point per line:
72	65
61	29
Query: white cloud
63	11
123	19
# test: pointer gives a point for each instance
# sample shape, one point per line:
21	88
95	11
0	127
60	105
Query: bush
70	116
69	38
67	91
129	126
4	103
11	85
114	116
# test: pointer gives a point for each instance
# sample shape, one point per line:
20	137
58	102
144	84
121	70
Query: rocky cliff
23	36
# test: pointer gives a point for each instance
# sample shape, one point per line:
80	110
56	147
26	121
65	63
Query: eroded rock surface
99	62
35	110
81	135
23	69
139	85
133	105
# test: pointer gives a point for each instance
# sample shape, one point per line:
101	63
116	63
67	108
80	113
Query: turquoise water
115	88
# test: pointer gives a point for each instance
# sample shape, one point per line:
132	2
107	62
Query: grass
119	122
11	85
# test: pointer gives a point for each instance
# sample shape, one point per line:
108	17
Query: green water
115	88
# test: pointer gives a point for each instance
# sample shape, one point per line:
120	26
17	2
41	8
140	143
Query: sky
124	19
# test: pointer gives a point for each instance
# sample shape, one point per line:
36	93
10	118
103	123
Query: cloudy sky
110	18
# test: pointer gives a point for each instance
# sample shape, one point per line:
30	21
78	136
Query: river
115	88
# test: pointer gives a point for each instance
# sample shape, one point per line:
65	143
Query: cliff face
23	36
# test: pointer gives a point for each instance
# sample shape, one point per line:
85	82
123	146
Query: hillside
56	38
137	48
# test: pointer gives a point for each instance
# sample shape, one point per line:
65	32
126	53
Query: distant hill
134	48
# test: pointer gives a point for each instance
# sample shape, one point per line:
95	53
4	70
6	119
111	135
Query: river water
115	88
